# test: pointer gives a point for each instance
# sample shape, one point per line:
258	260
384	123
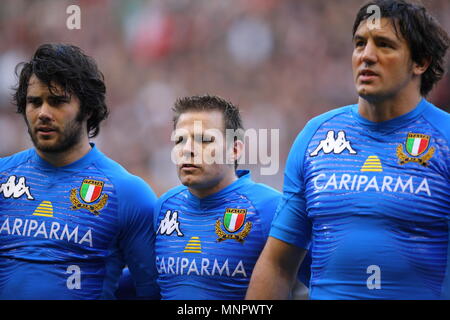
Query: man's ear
238	149
420	68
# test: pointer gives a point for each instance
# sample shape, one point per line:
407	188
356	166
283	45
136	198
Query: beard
65	140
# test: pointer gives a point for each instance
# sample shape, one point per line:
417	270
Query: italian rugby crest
415	145
90	191
233	221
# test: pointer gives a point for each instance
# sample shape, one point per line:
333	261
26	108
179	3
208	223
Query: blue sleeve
266	200
440	120
156	211
291	223
137	238
15	159
126	289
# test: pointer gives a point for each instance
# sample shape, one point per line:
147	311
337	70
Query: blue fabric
52	249
201	257
374	216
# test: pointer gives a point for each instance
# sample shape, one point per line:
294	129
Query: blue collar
244	178
91	156
389	125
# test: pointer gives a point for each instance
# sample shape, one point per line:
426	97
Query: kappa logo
169	224
415	145
11	189
90	191
333	145
233	220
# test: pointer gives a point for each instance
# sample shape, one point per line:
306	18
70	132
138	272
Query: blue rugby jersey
207	248
372	202
67	232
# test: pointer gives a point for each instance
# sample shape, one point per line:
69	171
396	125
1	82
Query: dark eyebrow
385	39
358	37
376	38
59	97
32	98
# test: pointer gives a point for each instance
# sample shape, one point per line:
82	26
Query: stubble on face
60	126
68	136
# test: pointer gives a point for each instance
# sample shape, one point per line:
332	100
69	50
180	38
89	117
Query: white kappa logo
330	144
11	189
169	224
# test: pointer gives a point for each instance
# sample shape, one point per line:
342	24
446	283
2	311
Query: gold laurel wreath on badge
93	208
240	237
422	160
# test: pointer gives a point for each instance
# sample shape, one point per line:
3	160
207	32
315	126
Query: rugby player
367	186
211	229
70	217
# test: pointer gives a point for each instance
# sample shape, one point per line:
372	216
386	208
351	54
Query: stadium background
282	61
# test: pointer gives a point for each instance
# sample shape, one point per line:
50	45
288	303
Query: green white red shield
234	219
416	143
91	190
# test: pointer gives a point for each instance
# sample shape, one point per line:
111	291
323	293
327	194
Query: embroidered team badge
233	221
416	144
90	191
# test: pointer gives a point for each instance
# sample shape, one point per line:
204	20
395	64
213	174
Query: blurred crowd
281	61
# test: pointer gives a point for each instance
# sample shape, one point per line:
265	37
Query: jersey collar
90	157
389	125
244	178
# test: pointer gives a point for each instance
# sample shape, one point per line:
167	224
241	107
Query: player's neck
60	159
204	192
390	108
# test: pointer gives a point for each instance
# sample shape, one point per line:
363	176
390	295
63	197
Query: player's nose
45	112
189	147
369	54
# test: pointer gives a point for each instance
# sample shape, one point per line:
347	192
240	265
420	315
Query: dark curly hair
425	37
66	66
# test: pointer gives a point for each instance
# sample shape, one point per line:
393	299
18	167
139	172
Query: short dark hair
76	73
230	112
425	37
